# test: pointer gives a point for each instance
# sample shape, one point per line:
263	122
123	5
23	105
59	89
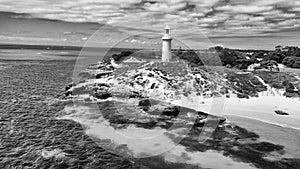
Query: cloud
297	9
278	14
202	3
109	1
277	3
290	22
242	17
164	7
214	17
244	8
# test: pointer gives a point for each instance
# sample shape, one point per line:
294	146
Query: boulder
68	87
68	93
171	111
280	112
102	92
102	74
145	104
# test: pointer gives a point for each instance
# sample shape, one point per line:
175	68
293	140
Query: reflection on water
142	142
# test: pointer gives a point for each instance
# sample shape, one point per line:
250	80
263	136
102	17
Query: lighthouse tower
166	45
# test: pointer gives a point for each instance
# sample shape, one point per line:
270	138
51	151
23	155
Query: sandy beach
257	115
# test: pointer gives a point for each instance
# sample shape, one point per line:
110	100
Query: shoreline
267	122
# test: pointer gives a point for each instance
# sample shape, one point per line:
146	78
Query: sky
256	24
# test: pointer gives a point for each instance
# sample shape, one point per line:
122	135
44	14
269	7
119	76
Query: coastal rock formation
172	80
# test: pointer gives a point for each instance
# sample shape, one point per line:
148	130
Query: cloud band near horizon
217	19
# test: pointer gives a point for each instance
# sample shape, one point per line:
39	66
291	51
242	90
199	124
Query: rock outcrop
281	112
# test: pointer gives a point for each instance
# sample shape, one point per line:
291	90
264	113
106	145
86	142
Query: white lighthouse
166	45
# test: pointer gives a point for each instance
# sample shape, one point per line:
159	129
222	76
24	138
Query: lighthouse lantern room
166	45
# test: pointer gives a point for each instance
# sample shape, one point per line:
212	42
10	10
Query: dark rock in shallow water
102	74
266	147
135	94
222	120
171	111
145	104
68	87
280	112
68	93
102	91
164	109
102	94
241	96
